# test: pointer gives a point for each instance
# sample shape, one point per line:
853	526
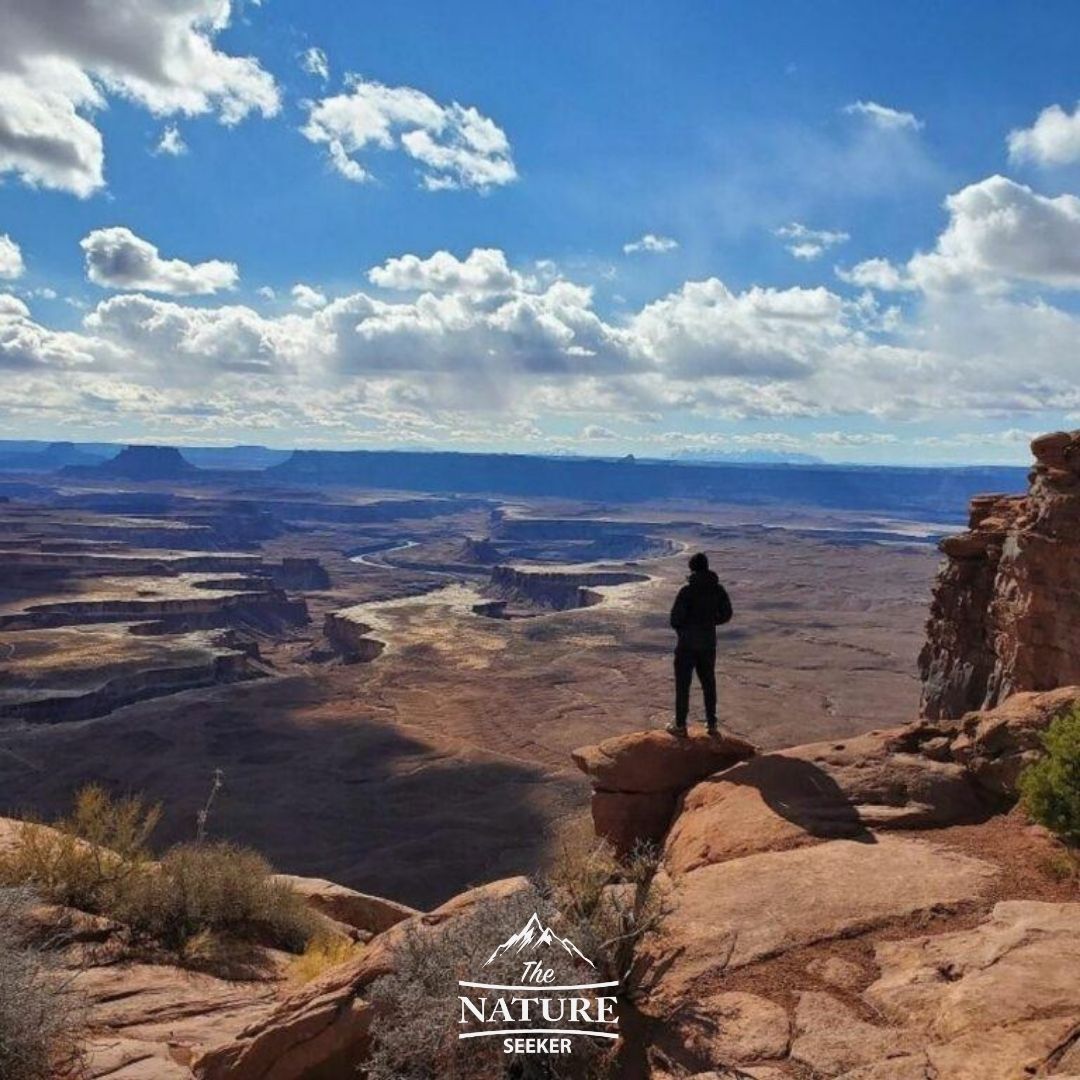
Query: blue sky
838	229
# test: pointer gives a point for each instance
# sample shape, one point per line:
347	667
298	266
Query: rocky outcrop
994	745
555	590
323	1029
349	637
370	915
1004	616
637	779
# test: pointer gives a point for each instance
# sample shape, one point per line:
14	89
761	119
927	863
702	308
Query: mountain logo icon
532	936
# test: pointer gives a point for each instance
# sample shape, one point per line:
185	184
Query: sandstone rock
1000	1053
912	1067
729	1028
372	914
150	1020
324	1026
831	1039
637	778
995	745
1003	617
1023	963
727	915
656	761
835	971
819	791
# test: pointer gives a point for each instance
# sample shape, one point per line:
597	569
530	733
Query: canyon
848	887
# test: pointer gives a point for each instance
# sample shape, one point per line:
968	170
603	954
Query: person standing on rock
701	605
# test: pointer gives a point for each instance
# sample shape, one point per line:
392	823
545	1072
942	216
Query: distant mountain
143	463
746	457
534	935
45	457
235	457
925	494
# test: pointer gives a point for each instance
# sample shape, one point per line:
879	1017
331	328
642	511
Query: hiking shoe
676	729
712	728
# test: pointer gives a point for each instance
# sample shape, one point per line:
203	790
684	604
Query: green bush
1050	787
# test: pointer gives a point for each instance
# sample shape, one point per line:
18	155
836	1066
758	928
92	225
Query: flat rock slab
652	761
1021	965
728	915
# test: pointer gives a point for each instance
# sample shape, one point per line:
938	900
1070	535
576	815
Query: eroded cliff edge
1004	615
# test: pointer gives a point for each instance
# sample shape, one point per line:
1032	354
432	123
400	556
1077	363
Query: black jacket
701	605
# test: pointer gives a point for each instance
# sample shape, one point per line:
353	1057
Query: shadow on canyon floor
315	781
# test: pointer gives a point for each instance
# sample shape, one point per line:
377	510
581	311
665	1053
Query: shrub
89	859
220	890
38	1014
197	900
1050	787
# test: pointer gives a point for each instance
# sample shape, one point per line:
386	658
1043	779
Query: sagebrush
40	1017
198	898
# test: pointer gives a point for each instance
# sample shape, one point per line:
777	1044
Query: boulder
997	744
638	778
729	1028
820	791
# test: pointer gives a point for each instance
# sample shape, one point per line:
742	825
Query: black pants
687	661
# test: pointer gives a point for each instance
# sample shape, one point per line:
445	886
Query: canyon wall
1004	616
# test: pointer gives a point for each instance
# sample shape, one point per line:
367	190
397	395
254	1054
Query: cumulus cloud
59	61
304	296
1000	231
650	242
876	274
808	244
455	146
314	61
483	270
881	116
11	260
118	259
1054	138
171	142
597	433
469	348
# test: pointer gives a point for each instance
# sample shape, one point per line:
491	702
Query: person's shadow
804	794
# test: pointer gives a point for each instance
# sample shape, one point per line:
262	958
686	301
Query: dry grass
322	953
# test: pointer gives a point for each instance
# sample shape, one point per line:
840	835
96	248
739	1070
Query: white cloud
11	260
881	116
266	292
171	142
876	274
456	146
595	432
314	61
1054	138
809	244
1000	231
652	243
483	270
58	61
304	296
118	259
471	349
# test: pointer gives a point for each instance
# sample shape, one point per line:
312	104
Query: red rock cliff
1005	614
